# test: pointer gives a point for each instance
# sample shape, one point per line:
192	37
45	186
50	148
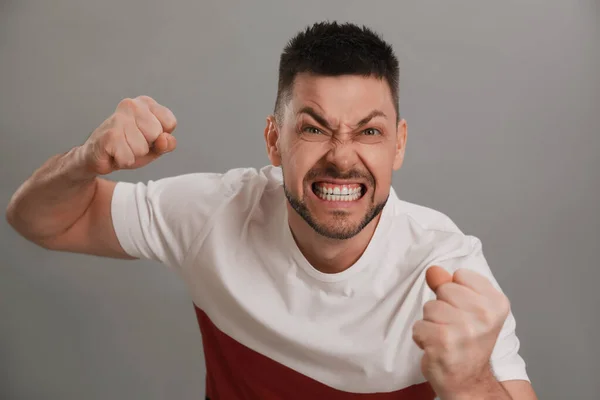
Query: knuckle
461	274
487	317
111	133
445	338
127	103
469	330
498	309
109	140
111	121
443	290
429	306
115	121
145	99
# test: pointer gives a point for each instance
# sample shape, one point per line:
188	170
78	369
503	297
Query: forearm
486	388
53	198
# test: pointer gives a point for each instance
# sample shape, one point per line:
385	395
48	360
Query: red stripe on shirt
234	371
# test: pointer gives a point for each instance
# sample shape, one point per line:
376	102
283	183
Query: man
310	278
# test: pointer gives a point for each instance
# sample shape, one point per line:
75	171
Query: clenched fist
458	332
138	132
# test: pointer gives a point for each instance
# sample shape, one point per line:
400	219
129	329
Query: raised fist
138	132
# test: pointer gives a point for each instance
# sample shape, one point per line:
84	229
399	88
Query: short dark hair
332	49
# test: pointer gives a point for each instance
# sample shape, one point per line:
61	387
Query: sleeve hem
119	207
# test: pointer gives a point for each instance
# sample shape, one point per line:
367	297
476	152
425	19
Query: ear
272	141
401	133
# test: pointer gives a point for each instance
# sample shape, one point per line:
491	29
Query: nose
342	154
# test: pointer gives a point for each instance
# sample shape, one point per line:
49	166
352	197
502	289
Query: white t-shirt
270	321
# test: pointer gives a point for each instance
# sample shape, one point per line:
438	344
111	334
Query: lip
339	182
338	204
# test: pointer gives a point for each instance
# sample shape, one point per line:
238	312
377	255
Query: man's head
336	130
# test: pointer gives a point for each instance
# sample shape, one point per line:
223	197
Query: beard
341	228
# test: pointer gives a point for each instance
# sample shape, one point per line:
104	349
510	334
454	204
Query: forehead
343	97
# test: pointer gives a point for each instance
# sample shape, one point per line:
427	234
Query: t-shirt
274	327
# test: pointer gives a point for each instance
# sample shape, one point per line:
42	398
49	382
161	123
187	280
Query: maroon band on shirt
234	371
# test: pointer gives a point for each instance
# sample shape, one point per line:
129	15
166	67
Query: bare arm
519	390
66	206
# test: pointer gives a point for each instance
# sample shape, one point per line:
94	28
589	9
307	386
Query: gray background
501	99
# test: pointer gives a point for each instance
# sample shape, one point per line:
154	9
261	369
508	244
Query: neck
327	255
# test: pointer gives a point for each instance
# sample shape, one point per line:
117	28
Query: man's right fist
137	133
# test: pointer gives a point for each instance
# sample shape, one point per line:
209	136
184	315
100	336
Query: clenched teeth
339	192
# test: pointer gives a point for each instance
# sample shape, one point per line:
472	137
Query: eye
312	130
372	132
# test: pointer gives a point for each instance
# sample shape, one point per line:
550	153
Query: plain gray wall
502	102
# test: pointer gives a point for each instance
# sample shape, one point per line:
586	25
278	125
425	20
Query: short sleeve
505	361
159	220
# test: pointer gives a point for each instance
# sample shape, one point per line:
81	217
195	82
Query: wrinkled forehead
345	98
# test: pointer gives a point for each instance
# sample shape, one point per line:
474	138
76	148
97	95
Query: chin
336	224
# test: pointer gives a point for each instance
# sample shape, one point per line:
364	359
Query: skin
333	145
458	333
65	205
319	138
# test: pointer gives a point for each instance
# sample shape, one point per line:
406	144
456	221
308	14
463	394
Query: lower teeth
343	197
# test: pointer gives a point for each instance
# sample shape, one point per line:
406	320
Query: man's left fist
459	330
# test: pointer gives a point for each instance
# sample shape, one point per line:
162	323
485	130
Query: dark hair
332	49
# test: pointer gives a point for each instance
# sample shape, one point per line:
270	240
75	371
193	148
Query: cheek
298	159
379	162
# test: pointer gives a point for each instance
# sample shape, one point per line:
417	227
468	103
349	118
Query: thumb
164	143
436	276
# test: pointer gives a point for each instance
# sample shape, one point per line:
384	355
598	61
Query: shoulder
432	237
191	186
424	217
234	192
190	200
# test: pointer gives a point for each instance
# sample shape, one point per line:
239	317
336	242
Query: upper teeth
343	190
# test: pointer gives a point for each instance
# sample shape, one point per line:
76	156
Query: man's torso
268	316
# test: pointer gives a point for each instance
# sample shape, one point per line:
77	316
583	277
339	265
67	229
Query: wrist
76	166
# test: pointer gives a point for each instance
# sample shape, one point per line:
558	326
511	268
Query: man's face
337	142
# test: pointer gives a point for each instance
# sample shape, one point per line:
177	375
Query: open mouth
336	192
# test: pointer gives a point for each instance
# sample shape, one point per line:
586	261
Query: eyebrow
323	121
372	114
